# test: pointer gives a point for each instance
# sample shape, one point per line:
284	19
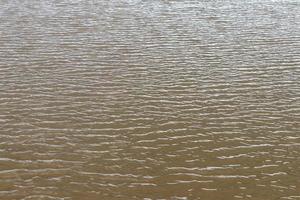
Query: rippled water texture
149	99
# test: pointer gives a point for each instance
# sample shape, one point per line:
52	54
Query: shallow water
138	99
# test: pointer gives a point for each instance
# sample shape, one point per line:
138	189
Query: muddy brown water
149	99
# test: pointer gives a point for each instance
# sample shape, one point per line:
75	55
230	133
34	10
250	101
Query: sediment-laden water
149	99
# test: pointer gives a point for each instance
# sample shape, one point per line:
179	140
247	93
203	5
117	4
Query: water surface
140	99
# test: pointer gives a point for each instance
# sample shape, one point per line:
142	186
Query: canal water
149	99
